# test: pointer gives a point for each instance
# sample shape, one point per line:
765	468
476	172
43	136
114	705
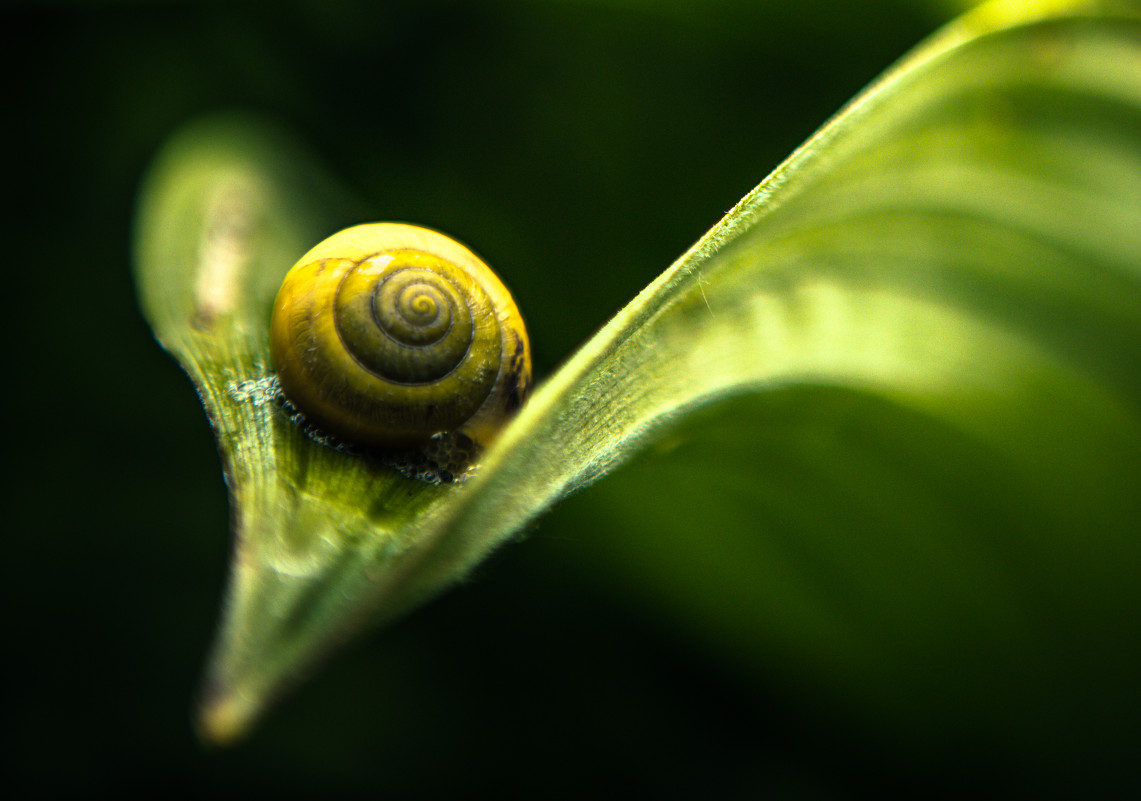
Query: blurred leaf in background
531	680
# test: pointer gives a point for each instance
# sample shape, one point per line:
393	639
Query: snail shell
386	334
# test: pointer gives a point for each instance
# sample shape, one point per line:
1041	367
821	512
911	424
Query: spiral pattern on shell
386	334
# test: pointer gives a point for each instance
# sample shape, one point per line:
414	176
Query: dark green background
579	147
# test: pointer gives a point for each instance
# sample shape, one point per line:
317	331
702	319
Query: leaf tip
225	716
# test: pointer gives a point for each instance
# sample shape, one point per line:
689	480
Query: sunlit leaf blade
956	256
929	509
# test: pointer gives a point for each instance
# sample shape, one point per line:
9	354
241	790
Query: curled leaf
954	261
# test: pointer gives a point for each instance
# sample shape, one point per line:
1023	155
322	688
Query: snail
385	335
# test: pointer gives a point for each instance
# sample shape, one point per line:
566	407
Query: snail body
386	334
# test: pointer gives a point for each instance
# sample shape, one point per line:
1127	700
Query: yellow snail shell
386	334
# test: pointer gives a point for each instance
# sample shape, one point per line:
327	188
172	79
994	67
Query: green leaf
894	398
